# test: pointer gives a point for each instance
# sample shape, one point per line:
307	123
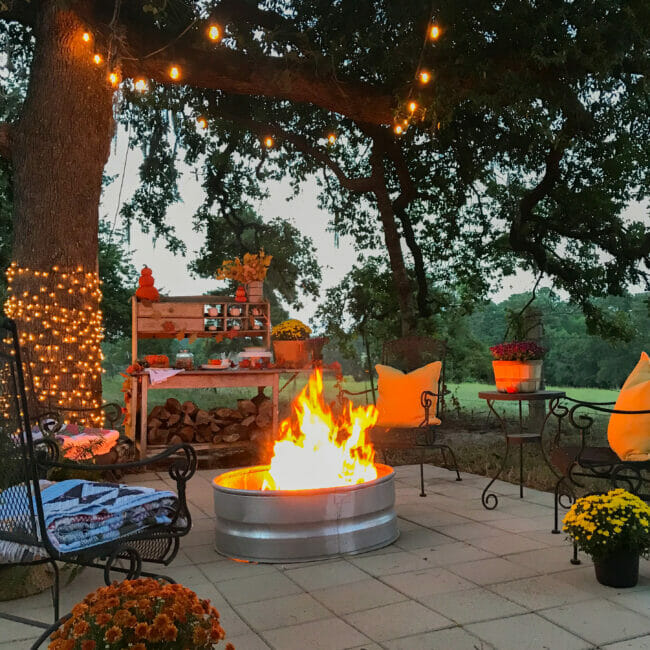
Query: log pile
174	423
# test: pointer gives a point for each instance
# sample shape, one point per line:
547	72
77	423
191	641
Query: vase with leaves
250	271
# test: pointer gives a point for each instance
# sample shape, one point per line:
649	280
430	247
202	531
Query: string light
114	78
398	129
86	37
425	77
268	142
331	138
174	72
55	326
141	85
434	32
413	107
214	32
202	122
97	58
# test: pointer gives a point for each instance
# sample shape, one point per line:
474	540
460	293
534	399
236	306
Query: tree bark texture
59	149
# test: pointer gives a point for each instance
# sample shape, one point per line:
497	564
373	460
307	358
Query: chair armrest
181	470
112	413
427	402
343	391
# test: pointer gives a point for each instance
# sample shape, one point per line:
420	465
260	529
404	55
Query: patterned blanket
81	514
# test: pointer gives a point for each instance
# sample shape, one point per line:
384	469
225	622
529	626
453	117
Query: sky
170	271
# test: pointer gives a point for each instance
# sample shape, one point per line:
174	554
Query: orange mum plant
253	267
141	614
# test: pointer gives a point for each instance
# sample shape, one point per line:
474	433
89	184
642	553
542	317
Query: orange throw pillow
398	402
629	435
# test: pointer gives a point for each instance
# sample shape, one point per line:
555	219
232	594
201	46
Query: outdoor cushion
399	397
629	435
82	443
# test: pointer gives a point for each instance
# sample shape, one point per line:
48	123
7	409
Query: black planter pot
620	569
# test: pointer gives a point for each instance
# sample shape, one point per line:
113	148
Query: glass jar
184	360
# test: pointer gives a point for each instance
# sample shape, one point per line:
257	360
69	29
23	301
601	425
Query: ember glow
318	450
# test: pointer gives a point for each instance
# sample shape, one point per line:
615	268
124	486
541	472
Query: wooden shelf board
203	334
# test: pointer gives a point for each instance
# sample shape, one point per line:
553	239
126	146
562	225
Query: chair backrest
21	510
411	352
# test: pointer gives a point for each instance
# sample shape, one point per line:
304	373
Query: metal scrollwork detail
123	553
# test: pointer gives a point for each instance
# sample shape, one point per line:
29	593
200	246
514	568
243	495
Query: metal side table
519	438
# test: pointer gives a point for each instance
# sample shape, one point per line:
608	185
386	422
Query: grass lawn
466	394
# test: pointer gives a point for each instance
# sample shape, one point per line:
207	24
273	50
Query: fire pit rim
385	473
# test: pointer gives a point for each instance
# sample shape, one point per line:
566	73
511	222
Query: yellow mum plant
602	524
291	330
254	266
140	614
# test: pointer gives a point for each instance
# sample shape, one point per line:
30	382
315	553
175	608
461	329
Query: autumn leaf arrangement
253	266
142	614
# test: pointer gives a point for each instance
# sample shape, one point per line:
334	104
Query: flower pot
518	376
292	354
255	291
619	569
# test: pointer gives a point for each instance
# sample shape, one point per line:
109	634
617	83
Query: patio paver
459	578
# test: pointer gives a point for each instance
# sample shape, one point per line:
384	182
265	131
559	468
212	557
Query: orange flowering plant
141	614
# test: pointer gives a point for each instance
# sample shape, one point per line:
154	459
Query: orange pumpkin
147	293
146	290
157	360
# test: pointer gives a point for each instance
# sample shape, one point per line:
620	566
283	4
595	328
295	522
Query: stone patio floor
458	578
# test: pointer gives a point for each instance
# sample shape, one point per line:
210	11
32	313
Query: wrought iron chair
23	528
408	354
591	463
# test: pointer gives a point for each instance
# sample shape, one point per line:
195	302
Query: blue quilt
81	514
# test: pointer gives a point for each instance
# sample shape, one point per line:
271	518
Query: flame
317	450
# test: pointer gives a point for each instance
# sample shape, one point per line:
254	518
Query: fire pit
297	525
321	496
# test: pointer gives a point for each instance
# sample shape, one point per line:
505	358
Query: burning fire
317	450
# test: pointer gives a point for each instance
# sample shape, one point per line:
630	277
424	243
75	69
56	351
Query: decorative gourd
157	360
146	290
240	294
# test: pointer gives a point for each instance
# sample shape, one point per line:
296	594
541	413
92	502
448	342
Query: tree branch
5	140
360	184
243	74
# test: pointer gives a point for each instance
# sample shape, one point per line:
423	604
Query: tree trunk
392	238
59	150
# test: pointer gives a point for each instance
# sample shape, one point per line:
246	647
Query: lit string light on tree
60	325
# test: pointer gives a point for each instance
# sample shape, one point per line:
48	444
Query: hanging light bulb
174	72
114	78
201	122
331	138
214	32
268	142
413	107
425	77
398	129
434	32
97	58
141	85
86	37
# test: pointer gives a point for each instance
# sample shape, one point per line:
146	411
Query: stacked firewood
174	423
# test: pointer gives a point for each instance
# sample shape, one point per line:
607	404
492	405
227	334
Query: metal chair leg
55	590
422	492
556	514
575	559
453	457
